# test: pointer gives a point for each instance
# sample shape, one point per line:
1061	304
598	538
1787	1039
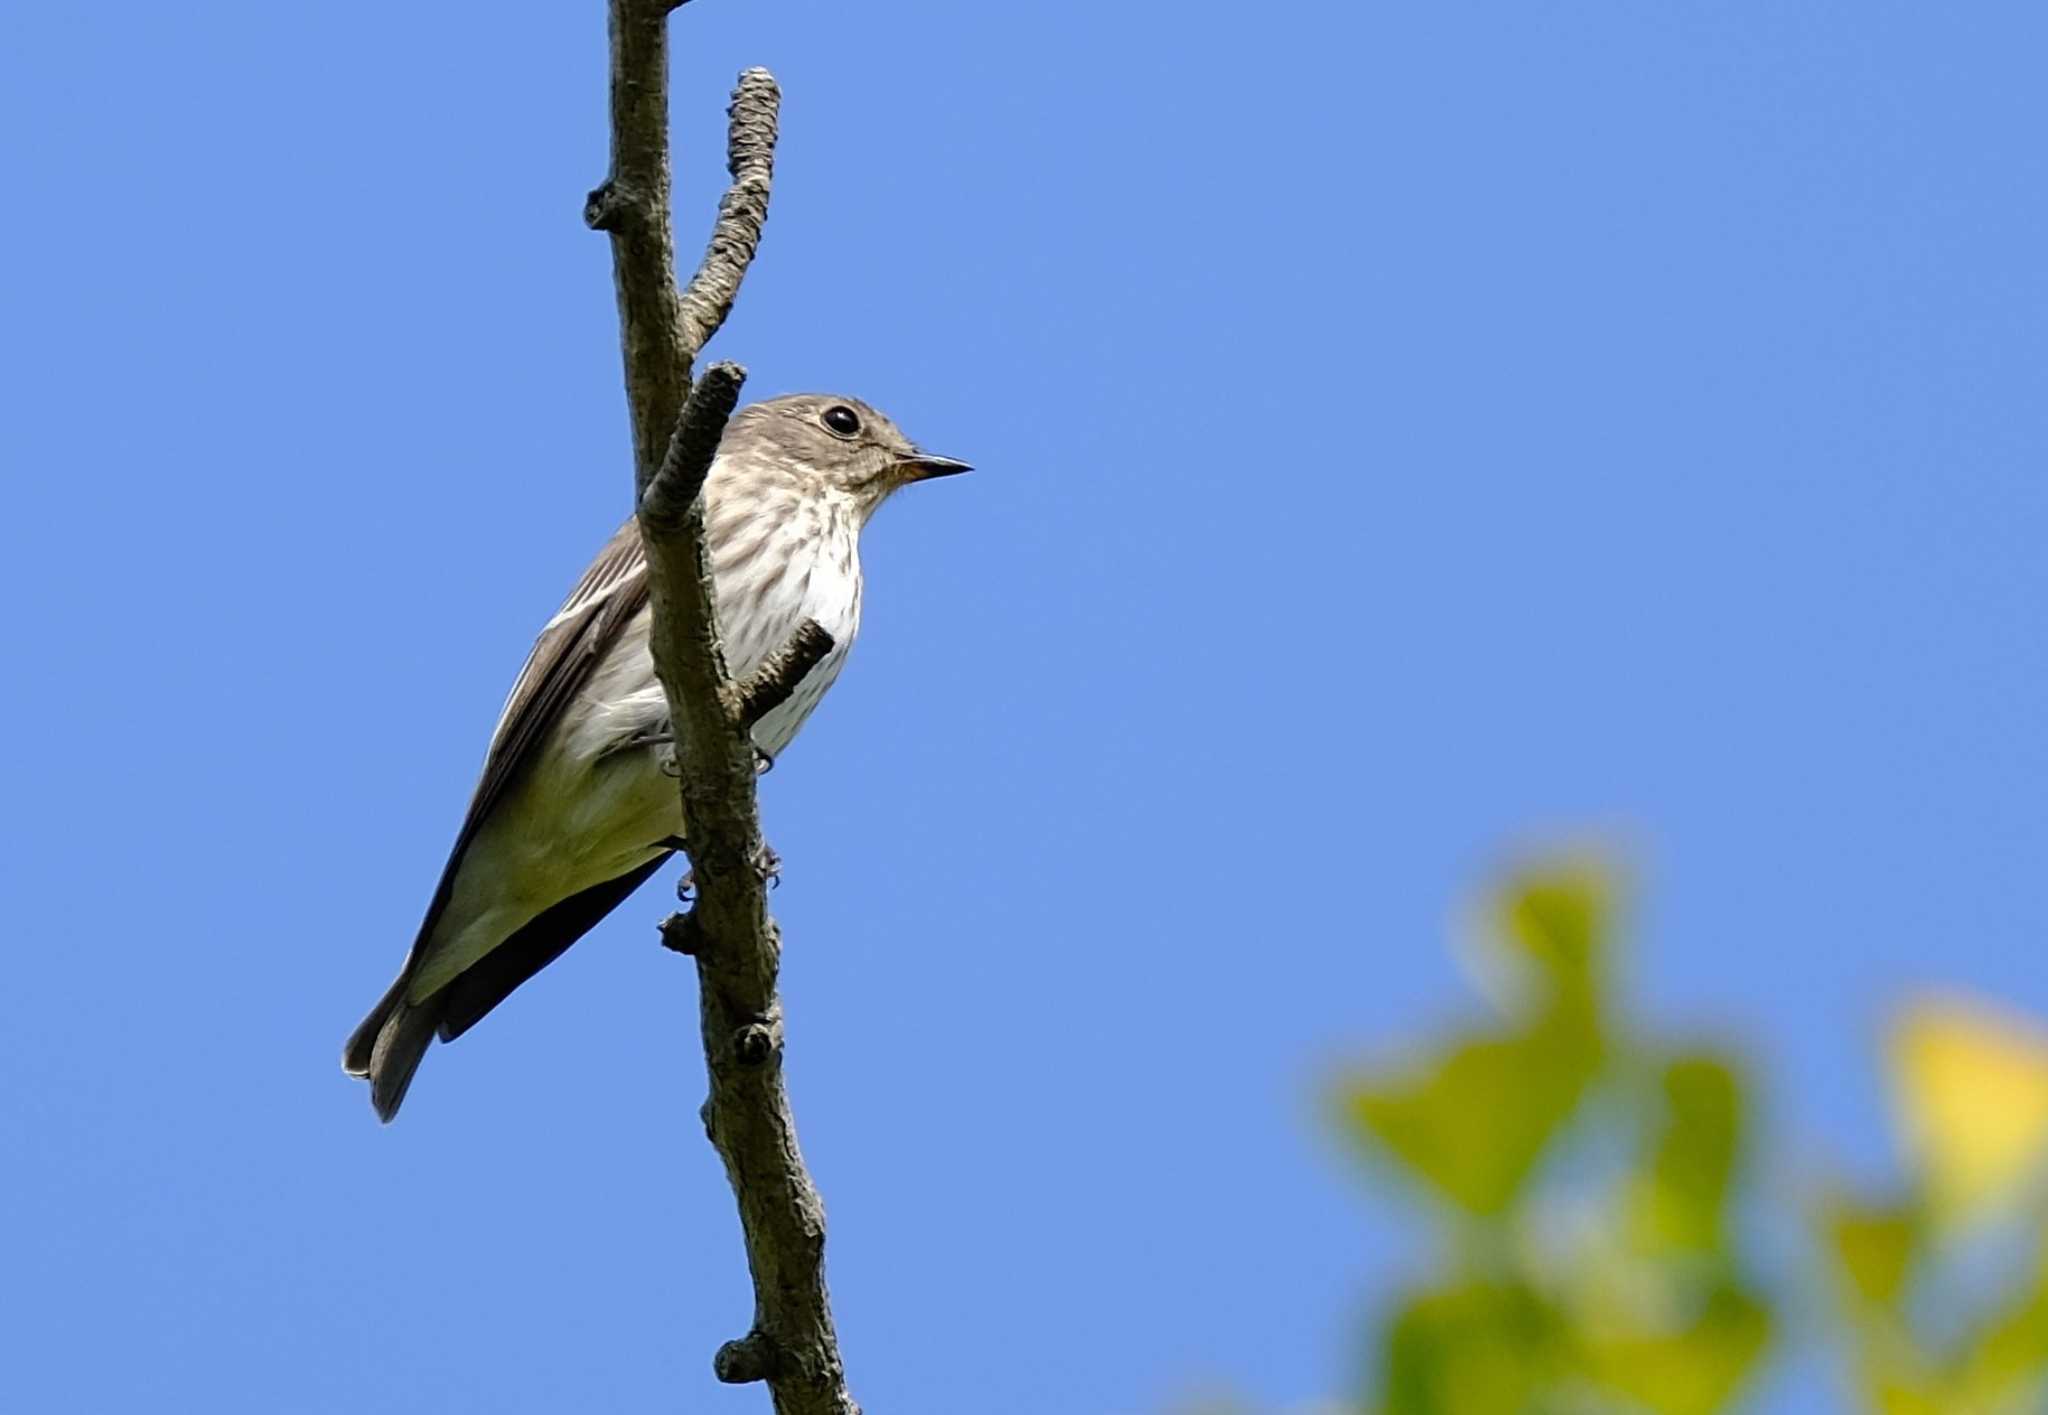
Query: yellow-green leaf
1558	920
2010	1353
1474	1123
1475	1347
1695	1371
1680	1197
1891	1396
1971	1085
1874	1246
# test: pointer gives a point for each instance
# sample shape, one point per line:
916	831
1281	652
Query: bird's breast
818	580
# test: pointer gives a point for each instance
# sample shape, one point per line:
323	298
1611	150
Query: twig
672	499
779	674
791	1344
750	160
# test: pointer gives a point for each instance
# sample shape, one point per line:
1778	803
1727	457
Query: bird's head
839	444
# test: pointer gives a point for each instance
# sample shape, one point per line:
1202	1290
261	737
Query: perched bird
574	810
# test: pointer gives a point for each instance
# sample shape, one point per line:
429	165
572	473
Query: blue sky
1407	435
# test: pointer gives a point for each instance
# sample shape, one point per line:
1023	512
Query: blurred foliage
1590	1190
1943	1286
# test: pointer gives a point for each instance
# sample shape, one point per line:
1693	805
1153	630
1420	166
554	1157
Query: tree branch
791	1345
633	206
751	123
772	684
672	500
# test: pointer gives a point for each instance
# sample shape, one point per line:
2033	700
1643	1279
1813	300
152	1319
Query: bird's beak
923	466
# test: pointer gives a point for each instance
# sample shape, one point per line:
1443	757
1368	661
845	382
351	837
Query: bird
576	805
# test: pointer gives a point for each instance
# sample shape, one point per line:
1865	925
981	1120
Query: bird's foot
662	743
764	761
688	882
768	864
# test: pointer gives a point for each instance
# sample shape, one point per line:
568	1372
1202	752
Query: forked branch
676	427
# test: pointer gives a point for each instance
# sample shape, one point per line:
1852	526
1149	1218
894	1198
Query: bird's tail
387	1047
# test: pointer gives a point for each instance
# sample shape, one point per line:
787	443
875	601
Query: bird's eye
842	420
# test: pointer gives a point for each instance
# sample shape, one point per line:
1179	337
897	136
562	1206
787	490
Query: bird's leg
664	737
764	760
659	734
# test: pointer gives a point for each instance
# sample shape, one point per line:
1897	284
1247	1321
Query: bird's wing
610	593
490	980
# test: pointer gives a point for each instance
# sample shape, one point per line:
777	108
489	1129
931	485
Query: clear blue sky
1406	433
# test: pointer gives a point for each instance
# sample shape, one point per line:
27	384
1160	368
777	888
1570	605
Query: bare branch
791	1344
633	206
666	499
750	159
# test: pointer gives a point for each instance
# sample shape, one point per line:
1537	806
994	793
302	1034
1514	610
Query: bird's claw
764	760
666	760
768	864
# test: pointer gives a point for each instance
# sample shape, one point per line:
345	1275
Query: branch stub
750	1358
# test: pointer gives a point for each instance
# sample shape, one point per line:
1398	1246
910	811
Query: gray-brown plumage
573	811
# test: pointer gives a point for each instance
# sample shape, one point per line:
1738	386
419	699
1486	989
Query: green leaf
1558	919
1874	1246
1695	1371
1470	1348
1896	1396
1475	1123
1679	1200
2011	1352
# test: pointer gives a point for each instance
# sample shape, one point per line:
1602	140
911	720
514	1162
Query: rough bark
791	1345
